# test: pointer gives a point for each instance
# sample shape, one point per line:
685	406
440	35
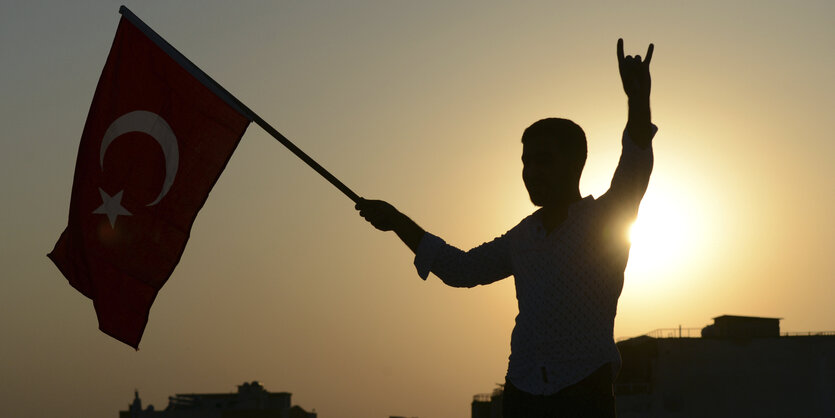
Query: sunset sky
421	103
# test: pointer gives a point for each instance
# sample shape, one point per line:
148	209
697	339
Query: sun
666	234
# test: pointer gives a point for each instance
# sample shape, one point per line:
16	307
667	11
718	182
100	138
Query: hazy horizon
422	104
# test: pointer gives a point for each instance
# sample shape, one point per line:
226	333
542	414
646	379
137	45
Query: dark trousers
592	397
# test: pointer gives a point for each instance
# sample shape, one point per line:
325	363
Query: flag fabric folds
156	139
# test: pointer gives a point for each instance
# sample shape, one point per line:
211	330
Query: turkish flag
155	142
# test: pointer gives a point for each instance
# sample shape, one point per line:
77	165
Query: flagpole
306	158
233	101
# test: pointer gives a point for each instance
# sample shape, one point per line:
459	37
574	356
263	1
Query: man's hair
567	135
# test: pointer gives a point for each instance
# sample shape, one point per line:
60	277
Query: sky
422	104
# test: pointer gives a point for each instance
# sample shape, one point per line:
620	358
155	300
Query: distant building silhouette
488	405
251	401
741	367
742	326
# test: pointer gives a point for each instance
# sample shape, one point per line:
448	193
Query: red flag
157	137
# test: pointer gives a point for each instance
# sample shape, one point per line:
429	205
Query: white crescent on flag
155	126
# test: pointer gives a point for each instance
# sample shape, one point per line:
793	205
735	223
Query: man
567	258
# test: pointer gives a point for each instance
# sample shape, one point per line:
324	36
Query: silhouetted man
567	258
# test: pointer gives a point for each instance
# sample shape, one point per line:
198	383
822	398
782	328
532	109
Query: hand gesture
634	74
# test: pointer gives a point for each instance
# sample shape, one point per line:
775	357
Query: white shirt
567	282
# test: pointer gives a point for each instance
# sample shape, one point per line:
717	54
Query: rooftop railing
697	333
807	334
675	333
482	397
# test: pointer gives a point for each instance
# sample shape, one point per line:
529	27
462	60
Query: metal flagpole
306	158
233	101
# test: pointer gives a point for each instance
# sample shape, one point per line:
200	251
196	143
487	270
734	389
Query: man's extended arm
480	265
385	217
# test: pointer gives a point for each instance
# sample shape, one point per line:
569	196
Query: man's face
547	173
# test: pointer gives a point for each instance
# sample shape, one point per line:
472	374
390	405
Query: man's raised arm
631	177
634	74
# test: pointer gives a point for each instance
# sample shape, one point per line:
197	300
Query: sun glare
664	236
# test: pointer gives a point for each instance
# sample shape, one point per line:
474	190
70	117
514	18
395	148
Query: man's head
553	155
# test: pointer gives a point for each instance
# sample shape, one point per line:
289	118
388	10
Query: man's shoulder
584	206
531	220
527	224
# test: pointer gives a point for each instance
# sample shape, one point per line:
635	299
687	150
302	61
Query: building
251	401
741	366
488	405
732	326
737	367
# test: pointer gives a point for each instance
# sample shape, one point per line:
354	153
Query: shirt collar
537	215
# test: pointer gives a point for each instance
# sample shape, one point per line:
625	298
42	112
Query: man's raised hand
634	73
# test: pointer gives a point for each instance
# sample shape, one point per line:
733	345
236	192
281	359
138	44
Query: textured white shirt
567	282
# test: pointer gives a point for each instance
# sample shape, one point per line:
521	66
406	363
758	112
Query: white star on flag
112	206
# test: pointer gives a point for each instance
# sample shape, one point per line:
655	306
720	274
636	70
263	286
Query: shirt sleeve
631	177
484	264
